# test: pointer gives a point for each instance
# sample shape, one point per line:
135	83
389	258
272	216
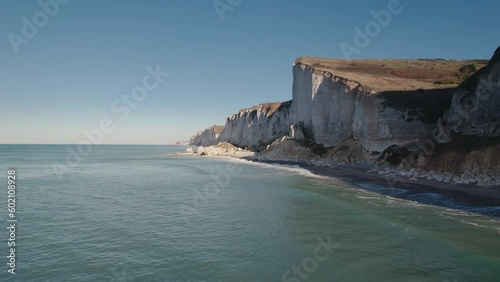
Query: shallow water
130	213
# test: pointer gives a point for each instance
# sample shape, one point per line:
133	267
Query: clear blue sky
64	79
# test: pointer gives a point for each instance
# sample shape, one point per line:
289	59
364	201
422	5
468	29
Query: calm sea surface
131	213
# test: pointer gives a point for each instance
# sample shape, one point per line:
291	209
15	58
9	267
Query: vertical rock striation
334	109
207	137
257	126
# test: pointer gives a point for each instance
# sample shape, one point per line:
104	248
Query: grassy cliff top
398	74
268	108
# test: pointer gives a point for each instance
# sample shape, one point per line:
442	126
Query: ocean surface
133	213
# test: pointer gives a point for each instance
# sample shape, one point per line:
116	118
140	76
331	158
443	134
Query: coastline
425	143
464	197
473	198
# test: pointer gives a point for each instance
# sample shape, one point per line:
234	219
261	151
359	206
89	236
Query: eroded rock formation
207	137
334	109
251	128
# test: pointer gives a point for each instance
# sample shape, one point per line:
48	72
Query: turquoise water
130	213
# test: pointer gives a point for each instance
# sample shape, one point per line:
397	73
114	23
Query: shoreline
472	198
464	197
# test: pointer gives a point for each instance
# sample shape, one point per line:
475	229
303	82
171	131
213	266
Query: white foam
368	194
365	197
295	169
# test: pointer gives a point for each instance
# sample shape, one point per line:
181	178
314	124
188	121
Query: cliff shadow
426	106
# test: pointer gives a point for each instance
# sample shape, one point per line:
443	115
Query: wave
388	191
294	169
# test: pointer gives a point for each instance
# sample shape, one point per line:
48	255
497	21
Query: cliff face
469	133
335	117
257	126
251	128
475	109
207	137
334	109
325	104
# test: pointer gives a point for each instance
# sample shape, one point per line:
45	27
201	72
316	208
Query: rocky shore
221	149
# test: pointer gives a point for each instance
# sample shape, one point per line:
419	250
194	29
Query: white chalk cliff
334	109
340	118
257	126
207	137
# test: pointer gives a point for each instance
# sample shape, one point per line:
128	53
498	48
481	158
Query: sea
142	213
